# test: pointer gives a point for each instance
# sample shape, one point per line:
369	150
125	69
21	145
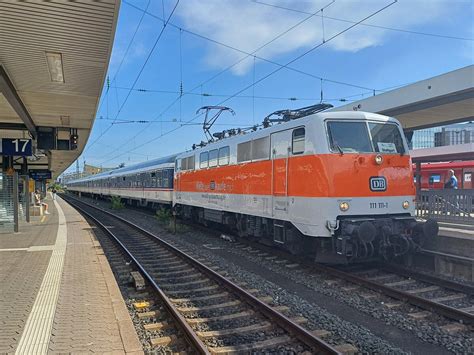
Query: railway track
447	298
450	299
215	315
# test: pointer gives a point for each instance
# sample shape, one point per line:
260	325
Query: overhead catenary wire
139	73
226	69
204	94
370	25
308	51
124	56
248	54
269	74
240	60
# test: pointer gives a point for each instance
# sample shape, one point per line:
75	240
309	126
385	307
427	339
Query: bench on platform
36	210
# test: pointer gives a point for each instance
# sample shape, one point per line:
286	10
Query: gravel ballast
350	315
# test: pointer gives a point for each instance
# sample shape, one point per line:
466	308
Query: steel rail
317	345
460	258
191	336
424	303
452	285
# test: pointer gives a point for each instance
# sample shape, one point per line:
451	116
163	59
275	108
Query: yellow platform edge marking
37	332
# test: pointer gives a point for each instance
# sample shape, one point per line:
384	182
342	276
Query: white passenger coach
146	183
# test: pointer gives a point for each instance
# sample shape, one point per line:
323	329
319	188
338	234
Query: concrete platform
454	240
58	293
451	253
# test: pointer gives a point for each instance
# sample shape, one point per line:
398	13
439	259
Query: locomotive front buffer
359	239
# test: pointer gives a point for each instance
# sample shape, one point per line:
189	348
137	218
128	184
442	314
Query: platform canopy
441	100
444	153
53	61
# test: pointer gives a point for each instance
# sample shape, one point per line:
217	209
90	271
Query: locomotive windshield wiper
338	147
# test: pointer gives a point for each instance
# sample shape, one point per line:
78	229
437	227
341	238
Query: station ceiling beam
10	94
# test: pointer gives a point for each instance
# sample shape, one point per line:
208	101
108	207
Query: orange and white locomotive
336	185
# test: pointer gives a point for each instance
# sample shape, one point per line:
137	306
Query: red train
434	175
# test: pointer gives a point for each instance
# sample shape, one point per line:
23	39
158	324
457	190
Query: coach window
203	160
298	141
213	157
171	178
165	178
159	179
435	178
224	155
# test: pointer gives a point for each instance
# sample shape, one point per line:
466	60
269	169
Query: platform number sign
16	147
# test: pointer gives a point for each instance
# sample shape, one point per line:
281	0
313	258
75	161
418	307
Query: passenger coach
148	183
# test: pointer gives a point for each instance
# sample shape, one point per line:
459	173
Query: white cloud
247	25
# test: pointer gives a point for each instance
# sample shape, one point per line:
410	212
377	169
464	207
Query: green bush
116	203
56	186
163	215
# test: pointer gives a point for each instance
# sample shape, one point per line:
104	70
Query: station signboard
40	174
15	147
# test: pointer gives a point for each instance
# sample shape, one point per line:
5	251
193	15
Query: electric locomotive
337	186
334	186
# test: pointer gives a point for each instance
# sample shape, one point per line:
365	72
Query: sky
170	58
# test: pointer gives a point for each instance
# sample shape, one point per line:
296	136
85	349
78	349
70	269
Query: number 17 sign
15	146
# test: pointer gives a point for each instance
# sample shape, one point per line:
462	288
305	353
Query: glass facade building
458	133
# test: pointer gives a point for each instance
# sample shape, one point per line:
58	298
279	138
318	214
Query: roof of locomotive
147	165
155	163
320	116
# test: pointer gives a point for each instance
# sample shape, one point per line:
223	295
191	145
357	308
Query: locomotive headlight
378	159
405	204
344	206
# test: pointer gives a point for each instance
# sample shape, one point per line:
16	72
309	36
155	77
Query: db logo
378	183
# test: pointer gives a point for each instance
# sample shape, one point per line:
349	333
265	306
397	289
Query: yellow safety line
42	219
37	330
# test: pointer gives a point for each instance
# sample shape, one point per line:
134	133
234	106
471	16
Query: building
458	133
86	171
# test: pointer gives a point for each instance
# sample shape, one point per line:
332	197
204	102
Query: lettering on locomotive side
213	186
377	183
211	197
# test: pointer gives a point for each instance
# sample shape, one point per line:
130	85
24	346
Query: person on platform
452	182
54	191
39	202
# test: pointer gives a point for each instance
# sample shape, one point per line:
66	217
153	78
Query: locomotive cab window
224	155
203	160
386	138
298	138
349	137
